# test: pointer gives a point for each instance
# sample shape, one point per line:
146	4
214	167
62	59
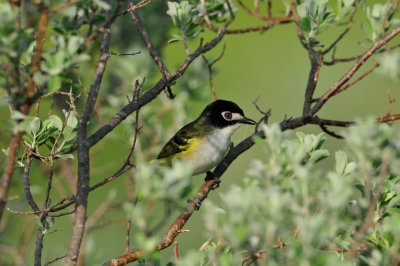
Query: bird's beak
249	121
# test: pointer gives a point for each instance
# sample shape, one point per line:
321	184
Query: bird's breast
206	152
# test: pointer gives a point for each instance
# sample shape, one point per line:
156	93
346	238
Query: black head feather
212	114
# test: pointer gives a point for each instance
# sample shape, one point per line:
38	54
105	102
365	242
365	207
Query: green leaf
35	125
74	43
341	161
27	138
360	188
40	79
49	223
17	115
68	133
305	25
319	155
350	167
72	121
56	121
65	156
54	83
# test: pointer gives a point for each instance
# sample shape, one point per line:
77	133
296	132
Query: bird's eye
227	115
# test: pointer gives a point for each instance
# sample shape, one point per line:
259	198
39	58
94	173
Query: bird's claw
212	176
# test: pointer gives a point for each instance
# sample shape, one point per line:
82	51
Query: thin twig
281	246
296	231
210	73
123	54
349	24
205	244
330	133
346	249
332	91
128	231
391	104
61	214
146	39
176	251
102	29
345	87
54	260
385	16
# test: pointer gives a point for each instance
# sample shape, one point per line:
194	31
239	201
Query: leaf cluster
187	16
316	17
38	133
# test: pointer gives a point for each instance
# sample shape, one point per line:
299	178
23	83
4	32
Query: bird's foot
196	201
212	176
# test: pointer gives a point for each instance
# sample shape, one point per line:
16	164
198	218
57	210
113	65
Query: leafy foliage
57	63
157	183
187	16
377	15
285	197
285	192
52	133
183	16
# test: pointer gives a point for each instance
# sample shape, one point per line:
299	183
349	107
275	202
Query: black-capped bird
205	141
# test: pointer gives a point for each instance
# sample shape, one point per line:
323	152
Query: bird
204	142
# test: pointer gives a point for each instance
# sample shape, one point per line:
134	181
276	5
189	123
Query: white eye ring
227	115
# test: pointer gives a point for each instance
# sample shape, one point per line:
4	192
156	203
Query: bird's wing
180	142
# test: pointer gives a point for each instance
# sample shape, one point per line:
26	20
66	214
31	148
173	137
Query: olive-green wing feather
181	141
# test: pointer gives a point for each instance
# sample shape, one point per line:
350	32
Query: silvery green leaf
350	167
390	66
54	83
56	121
319	155
65	156
35	125
74	43
17	115
341	161
72	121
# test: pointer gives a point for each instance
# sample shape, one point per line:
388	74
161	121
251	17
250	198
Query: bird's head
222	114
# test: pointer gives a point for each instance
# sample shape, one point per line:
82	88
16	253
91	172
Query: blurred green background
273	66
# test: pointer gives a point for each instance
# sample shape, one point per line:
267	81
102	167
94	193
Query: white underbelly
207	153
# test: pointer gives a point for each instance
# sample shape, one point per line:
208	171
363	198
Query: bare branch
128	231
8	170
146	39
153	92
83	187
346	249
27	186
316	62
210	73
54	260
345	87
109	20
349	24
332	91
